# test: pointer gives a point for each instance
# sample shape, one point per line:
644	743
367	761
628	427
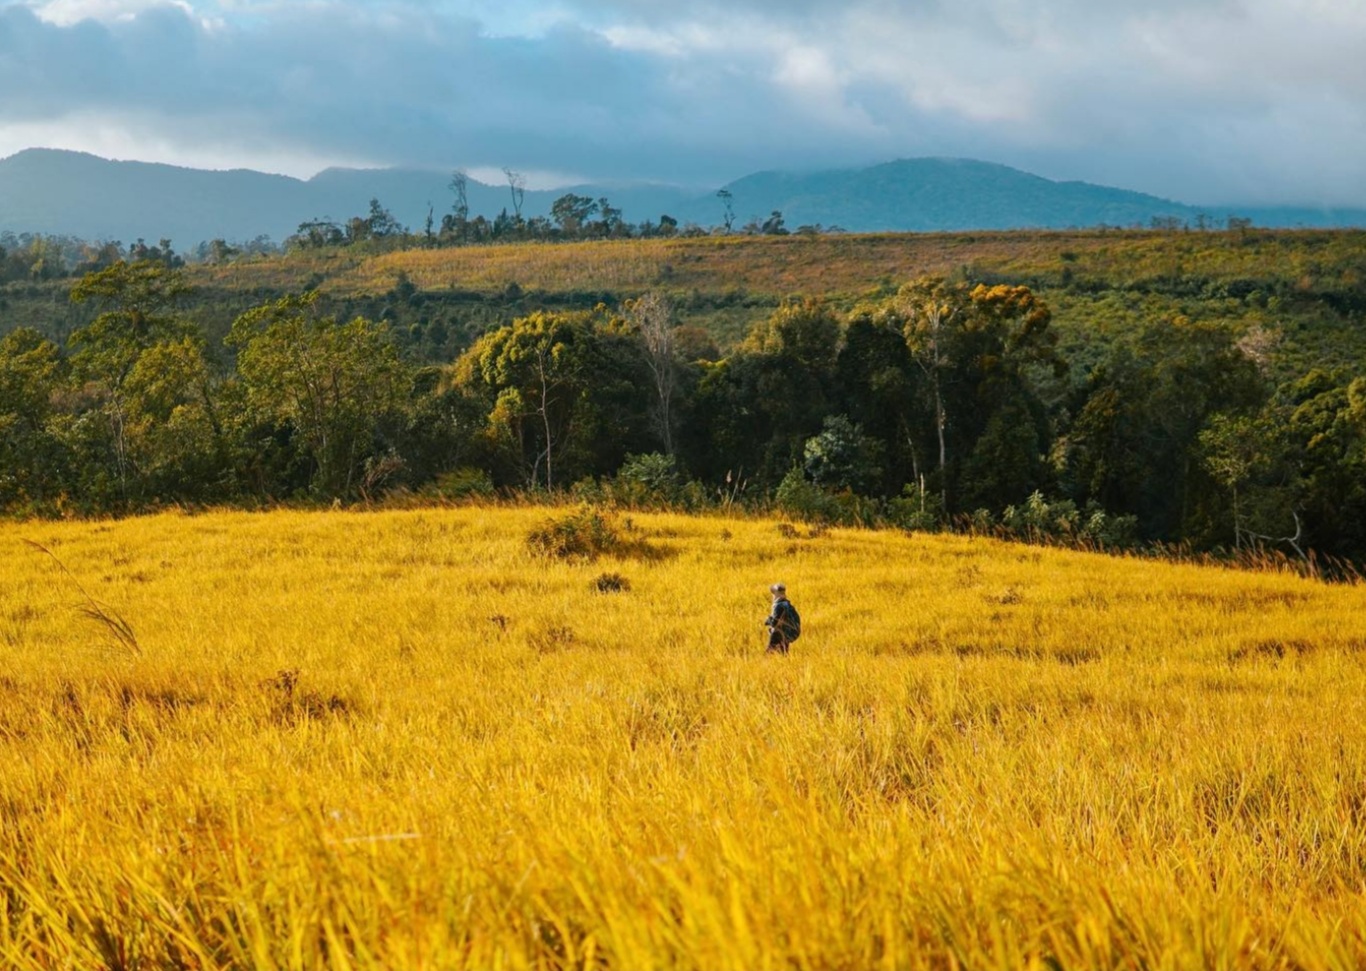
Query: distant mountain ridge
72	193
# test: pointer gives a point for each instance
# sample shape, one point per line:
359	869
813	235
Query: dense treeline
940	401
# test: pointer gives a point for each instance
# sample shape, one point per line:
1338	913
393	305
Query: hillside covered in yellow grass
405	740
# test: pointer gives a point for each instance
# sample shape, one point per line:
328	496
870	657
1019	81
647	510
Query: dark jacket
780	619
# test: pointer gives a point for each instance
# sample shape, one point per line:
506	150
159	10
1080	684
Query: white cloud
65	13
134	139
1187	98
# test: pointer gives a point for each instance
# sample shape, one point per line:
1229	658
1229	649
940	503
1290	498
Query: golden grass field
401	740
839	265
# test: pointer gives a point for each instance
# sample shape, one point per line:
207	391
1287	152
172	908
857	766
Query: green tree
879	388
571	213
31	373
1322	417
339	386
565	394
975	347
1134	446
842	457
140	313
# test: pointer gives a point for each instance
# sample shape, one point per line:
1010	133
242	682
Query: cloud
1202	100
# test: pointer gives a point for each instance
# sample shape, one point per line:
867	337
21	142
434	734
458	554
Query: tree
879	388
654	318
141	312
1322	418
929	310
316	233
760	406
563	393
338	386
381	222
773	225
975	346
842	457
460	207
535	370
727	208
31	372
611	225
1134	447
571	212
517	187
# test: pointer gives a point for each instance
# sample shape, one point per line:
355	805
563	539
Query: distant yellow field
836	265
400	740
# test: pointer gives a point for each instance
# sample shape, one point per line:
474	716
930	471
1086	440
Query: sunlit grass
839	266
401	740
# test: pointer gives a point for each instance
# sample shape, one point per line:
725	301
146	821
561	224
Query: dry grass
401	740
840	266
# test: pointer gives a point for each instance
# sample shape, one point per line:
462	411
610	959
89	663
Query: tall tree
140	311
517	187
653	316
460	207
31	372
563	393
339	385
571	213
975	346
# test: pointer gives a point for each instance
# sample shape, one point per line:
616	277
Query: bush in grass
583	534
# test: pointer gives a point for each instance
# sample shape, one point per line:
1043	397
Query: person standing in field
784	623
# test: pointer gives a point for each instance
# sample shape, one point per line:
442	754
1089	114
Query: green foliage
460	484
563	392
336	385
803	499
31	371
584	534
1188	406
1037	520
917	509
842	457
655	475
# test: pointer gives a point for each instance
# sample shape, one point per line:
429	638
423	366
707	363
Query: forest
1117	388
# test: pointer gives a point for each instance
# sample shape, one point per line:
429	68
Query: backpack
791	622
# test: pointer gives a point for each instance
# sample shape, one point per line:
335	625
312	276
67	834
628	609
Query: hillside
401	740
929	195
68	193
1101	284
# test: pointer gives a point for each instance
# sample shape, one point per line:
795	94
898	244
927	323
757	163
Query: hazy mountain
59	192
931	194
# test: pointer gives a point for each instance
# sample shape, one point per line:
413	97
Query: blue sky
1205	101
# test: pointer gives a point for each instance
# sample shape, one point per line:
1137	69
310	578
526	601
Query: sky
1202	101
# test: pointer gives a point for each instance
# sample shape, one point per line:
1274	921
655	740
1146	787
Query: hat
778	588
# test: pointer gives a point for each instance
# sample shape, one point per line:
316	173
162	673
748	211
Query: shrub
461	483
804	500
611	583
917	509
653	477
583	534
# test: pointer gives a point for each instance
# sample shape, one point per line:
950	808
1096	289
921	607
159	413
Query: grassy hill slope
1310	284
401	740
1101	284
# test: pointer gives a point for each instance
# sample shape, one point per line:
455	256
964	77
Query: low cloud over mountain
1249	101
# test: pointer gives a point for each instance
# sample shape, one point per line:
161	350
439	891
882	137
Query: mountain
71	193
935	194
